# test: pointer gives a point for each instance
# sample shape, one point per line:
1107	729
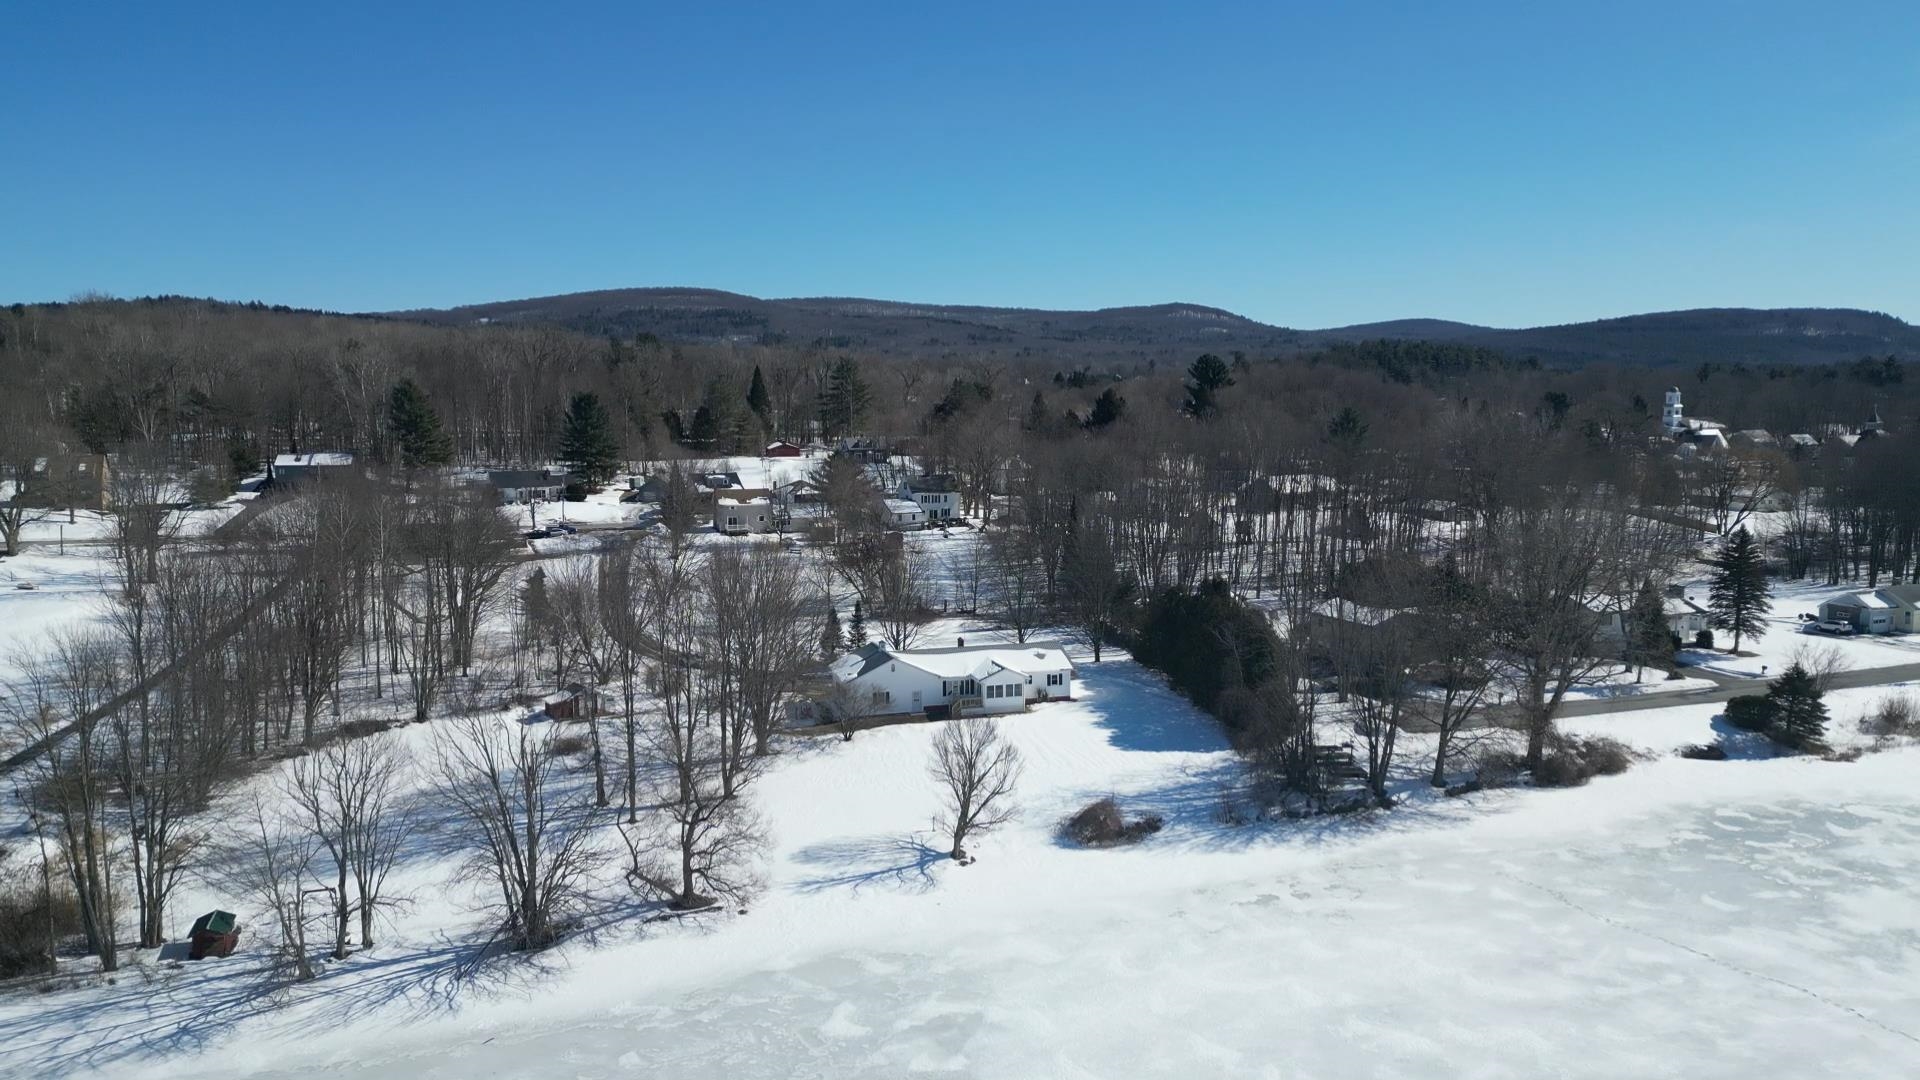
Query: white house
959	681
516	486
1684	617
739	511
933	493
1890	609
904	514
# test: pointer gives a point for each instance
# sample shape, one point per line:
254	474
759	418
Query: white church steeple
1670	417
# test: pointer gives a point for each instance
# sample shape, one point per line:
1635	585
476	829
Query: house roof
932	482
1359	614
525	478
958	662
314	460
902	506
742	496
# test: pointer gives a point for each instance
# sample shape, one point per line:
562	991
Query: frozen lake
1757	941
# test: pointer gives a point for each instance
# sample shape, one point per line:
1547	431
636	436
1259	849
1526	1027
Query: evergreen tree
1039	419
856	628
587	444
1346	430
831	636
1799	714
416	427
704	432
1739	600
843	401
759	402
1649	639
1107	408
1207	376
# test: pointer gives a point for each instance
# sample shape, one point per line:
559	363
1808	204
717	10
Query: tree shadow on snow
165	1013
1140	712
905	861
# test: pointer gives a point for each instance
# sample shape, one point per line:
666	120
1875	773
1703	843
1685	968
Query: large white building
963	680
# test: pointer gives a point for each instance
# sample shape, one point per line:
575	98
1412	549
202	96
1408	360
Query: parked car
1835	627
562	529
536	534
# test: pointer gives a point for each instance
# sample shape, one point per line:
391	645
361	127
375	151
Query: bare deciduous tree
527	839
344	794
976	769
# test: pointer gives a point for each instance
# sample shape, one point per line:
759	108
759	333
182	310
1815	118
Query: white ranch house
960	681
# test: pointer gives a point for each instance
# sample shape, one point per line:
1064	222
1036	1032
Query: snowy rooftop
902	506
314	460
1347	611
958	662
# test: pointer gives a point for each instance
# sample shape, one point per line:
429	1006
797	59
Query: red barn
784	449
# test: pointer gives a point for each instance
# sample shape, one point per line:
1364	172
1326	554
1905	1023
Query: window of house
1056	680
883	697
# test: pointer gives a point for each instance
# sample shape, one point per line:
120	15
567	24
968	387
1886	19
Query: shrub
1101	824
1750	712
1704	752
1571	760
566	745
24	918
1703	639
1896	715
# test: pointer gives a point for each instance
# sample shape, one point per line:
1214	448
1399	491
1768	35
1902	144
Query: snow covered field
1687	919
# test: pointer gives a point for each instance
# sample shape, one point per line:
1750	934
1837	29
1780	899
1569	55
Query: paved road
1730	687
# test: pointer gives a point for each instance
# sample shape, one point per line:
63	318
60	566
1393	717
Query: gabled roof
958	662
902	506
1358	614
931	482
315	460
525	478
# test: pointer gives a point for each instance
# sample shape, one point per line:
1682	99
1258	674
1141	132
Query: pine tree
1208	376
831	636
587	444
1799	714
1649	639
1346	430
843	401
1738	601
416	427
704	432
1107	408
1039	418
759	402
856	628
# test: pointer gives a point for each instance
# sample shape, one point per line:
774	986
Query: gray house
1890	609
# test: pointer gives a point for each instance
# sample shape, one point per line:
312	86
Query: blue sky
1305	164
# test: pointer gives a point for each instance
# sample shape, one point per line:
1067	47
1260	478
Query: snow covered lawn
1688	919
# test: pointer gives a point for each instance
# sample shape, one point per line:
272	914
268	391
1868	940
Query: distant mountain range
1177	331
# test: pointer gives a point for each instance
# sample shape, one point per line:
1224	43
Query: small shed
217	933
782	448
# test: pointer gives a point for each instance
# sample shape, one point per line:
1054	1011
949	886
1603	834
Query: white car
1836	627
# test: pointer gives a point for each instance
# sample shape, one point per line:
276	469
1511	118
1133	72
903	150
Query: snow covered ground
1786	635
1688	919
